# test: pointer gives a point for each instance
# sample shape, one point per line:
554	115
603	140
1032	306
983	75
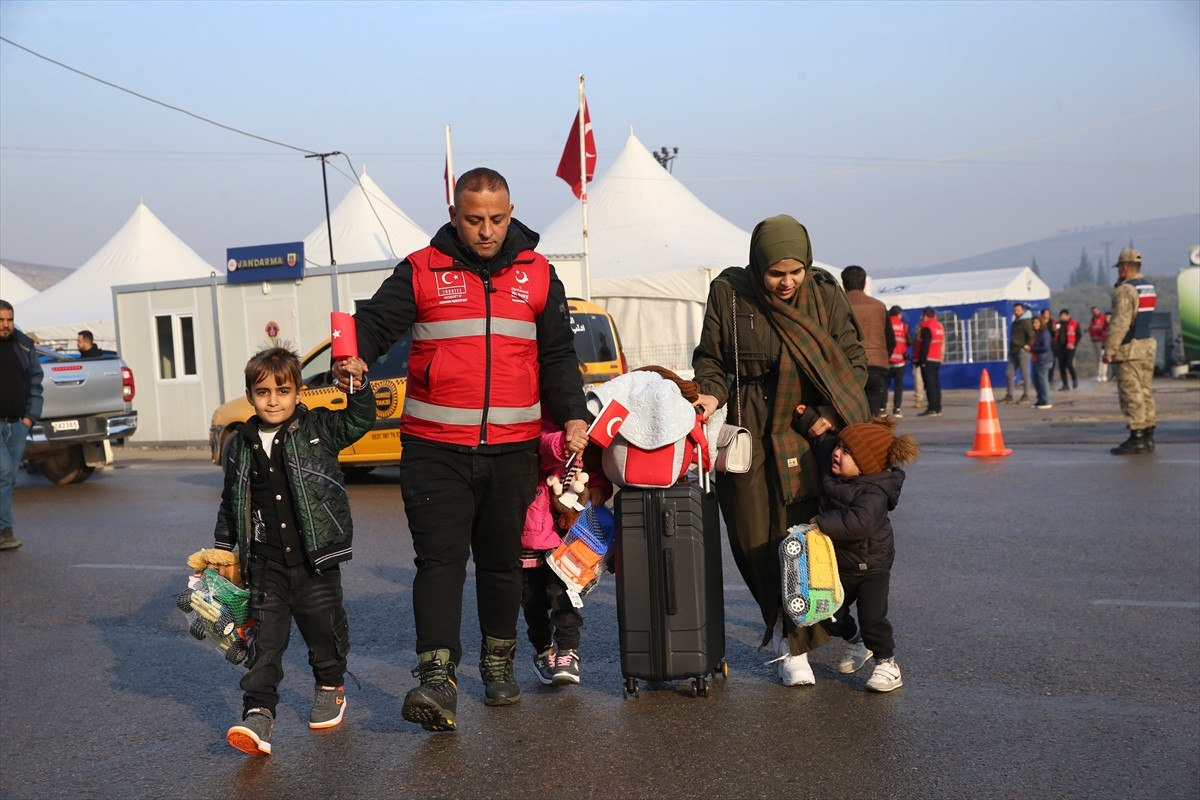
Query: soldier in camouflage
1132	348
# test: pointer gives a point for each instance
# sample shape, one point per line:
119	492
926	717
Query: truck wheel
65	465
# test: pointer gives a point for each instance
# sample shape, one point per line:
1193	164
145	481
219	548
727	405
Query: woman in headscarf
797	343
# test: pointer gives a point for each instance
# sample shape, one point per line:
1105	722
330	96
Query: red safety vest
1072	332
1098	329
900	329
937	338
473	369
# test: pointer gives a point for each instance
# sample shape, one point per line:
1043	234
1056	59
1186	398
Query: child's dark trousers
548	610
869	593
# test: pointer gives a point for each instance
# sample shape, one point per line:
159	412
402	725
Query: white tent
960	288
367	226
143	251
654	249
13	288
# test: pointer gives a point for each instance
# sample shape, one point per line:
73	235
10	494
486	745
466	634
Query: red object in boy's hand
343	335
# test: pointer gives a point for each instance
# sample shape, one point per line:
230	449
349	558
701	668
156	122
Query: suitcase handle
669	580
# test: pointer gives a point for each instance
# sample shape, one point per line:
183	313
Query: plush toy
224	562
570	493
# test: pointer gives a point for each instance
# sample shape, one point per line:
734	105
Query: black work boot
496	669
433	704
1148	438
1136	443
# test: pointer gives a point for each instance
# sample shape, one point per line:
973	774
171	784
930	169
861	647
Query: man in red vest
491	343
931	341
1066	340
897	357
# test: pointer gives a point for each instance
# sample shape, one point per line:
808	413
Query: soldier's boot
1136	443
496	668
1148	438
434	703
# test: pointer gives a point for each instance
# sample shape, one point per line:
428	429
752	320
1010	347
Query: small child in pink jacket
552	620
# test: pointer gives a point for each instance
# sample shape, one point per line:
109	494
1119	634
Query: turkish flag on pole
343	335
607	423
568	166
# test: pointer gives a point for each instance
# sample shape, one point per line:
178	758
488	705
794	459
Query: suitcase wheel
700	686
631	688
721	669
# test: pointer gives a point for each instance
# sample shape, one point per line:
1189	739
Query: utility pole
333	274
664	157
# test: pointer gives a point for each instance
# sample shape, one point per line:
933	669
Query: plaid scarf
809	351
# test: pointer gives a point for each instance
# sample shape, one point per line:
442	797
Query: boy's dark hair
480	179
281	362
854	277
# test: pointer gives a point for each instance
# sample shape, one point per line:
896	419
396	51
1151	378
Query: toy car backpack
812	590
585	552
218	612
632	467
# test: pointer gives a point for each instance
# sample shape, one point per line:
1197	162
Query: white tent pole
583	196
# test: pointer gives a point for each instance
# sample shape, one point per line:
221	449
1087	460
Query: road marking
1190	604
126	566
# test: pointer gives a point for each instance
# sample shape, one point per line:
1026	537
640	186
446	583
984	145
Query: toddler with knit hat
853	512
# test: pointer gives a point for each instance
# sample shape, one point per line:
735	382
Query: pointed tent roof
642	219
144	250
13	288
367	226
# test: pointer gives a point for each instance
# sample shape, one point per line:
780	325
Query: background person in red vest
1132	347
897	358
876	338
1098	331
931	341
491	343
1066	340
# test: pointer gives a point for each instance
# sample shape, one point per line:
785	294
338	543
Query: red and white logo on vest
451	286
519	293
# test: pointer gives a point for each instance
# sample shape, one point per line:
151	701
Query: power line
156	102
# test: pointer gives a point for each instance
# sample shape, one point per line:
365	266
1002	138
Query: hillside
39	276
1164	244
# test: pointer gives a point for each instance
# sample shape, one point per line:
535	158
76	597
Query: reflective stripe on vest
473	370
1147	302
900	329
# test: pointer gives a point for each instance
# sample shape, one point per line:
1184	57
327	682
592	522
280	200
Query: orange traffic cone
988	439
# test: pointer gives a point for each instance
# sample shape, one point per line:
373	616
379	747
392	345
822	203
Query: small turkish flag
343	335
609	421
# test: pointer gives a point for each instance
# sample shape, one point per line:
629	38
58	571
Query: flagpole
583	196
449	169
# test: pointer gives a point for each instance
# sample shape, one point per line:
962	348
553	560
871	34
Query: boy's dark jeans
279	594
870	593
460	505
549	613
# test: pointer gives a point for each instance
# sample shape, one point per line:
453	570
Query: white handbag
735	449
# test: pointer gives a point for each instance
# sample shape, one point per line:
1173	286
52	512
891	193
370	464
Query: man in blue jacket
20	406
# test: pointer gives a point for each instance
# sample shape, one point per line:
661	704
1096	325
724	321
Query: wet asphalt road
1046	606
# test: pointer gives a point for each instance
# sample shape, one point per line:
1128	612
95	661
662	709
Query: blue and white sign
265	262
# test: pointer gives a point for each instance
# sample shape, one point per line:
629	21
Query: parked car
597	344
378	447
88	406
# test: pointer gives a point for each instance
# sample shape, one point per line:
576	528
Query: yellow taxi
597	344
378	447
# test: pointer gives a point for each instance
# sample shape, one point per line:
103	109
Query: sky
902	134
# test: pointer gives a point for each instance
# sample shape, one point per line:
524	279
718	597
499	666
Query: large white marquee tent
367	227
144	250
14	289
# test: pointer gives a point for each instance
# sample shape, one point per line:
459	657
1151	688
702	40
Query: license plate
65	425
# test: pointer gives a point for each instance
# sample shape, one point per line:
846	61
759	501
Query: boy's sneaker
854	658
566	668
329	704
886	676
543	664
253	735
496	668
434	703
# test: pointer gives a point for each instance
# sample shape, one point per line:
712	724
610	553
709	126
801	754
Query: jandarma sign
265	262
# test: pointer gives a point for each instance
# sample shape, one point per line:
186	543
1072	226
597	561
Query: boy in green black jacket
286	509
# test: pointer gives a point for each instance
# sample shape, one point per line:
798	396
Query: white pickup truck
88	406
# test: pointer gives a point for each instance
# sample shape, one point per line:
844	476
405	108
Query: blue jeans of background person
1041	380
12	450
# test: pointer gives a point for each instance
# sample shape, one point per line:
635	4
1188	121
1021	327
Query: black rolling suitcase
670	605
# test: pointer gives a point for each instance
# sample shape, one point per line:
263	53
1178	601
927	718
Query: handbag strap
737	384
